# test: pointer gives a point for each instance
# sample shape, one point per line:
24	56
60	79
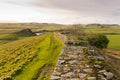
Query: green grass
112	32
24	58
114	42
105	30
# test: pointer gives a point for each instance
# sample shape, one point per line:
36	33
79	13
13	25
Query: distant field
114	42
6	28
105	30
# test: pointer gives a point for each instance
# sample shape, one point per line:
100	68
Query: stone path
74	64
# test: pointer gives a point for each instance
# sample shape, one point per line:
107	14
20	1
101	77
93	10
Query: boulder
108	75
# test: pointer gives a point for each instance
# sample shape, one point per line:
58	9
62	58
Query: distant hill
25	32
5	38
15	27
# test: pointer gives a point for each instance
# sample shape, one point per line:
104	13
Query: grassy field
114	42
27	57
23	59
105	30
112	32
13	27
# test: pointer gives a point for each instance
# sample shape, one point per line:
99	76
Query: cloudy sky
60	11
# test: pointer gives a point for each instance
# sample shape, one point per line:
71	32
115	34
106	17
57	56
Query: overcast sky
60	11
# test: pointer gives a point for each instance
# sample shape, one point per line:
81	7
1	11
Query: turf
114	42
112	32
24	59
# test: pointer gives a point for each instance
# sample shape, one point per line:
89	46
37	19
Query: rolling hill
5	38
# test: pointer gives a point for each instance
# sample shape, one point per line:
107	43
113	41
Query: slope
5	38
28	56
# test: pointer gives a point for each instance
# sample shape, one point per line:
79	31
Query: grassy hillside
24	59
5	38
114	42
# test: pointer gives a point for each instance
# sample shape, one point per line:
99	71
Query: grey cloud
88	7
76	10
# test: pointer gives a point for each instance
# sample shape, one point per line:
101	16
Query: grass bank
43	64
31	58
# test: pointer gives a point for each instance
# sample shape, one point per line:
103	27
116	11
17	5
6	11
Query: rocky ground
81	63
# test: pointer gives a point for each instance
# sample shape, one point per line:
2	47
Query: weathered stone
73	66
73	56
99	58
87	66
74	79
78	70
98	66
57	67
67	58
101	77
108	75
91	78
67	75
73	62
102	71
55	78
69	52
82	75
87	70
60	58
66	69
56	73
61	61
91	50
